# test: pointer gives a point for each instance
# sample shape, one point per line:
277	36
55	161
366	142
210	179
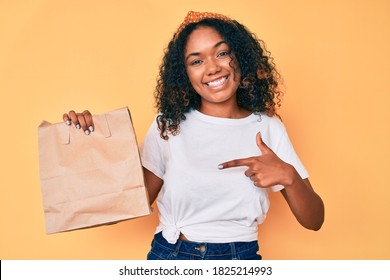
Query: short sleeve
285	151
152	151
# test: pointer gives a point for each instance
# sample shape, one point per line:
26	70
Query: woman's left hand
268	170
265	170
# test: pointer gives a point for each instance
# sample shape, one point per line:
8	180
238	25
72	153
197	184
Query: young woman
217	146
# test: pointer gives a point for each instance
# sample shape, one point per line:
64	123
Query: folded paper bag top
92	180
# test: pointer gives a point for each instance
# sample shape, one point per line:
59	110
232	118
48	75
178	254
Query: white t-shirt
203	202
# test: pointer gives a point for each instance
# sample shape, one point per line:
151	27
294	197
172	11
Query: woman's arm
306	205
153	184
268	170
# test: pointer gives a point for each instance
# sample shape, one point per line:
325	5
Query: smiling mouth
217	83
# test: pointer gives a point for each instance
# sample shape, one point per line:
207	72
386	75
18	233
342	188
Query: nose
213	67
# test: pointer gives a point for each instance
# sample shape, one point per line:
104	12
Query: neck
229	112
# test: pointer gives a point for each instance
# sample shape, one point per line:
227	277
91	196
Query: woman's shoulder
274	121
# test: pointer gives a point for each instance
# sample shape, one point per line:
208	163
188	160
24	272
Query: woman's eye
223	53
195	62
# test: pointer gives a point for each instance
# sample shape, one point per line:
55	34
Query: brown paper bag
91	180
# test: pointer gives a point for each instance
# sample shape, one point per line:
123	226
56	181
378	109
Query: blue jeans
188	250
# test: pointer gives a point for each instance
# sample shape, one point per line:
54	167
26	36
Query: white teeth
217	82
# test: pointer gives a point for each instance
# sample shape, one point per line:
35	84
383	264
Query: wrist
291	176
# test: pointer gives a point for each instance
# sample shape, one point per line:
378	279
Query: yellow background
103	55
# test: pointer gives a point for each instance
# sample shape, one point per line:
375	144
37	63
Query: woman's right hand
82	120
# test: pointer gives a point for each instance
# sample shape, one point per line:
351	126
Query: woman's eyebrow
198	53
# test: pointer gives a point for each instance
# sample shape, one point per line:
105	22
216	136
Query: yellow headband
194	17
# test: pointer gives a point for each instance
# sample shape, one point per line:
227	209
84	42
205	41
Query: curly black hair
258	90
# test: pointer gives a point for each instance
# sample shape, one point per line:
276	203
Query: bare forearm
153	185
306	205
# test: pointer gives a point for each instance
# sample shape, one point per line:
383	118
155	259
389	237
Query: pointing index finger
236	163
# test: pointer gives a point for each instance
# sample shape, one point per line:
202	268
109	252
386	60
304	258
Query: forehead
202	38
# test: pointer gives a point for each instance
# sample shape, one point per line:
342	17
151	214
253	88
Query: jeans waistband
201	249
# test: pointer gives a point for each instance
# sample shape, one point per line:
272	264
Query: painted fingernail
87	132
90	128
68	122
220	166
78	126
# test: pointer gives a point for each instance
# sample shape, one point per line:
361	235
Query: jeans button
201	249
